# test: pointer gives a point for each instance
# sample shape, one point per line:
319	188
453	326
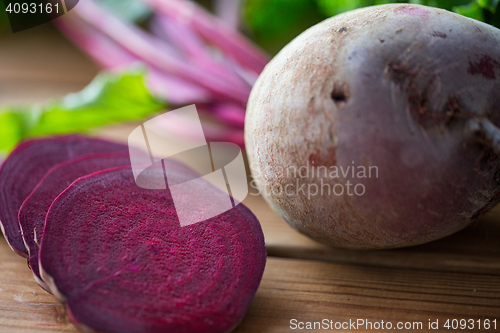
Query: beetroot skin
117	256
34	209
25	167
407	92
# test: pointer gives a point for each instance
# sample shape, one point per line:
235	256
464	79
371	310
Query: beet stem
112	56
154	51
215	31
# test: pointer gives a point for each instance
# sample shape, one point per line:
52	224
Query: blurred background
114	61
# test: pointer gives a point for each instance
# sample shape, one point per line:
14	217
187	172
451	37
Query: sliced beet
34	209
117	256
25	167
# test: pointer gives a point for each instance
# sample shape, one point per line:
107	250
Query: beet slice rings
34	209
117	256
26	166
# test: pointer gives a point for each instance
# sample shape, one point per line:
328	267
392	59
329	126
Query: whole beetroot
378	128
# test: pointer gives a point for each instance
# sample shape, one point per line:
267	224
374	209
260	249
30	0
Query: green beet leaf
109	98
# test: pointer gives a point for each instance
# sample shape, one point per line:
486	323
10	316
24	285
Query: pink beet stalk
231	42
154	51
112	56
186	40
195	48
185	127
182	65
229	113
229	12
176	90
100	48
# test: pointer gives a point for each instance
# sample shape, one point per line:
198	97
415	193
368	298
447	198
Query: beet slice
117	256
25	167
34	209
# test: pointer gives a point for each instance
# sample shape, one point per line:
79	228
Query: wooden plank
313	291
474	249
291	289
24	306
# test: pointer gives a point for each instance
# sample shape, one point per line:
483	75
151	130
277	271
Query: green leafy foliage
334	7
444	4
493	17
109	98
490	5
472	10
4	20
273	23
482	10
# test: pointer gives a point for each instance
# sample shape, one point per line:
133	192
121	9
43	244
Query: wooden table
454	278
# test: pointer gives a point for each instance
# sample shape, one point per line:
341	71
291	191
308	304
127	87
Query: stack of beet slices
115	253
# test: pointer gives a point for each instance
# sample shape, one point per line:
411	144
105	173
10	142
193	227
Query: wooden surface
454	278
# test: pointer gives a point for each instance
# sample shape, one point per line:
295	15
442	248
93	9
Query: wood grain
311	291
291	289
24	306
474	249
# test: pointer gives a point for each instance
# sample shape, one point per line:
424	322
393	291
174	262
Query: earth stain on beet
485	66
439	34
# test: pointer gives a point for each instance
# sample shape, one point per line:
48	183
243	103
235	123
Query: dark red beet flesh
116	255
25	167
34	209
